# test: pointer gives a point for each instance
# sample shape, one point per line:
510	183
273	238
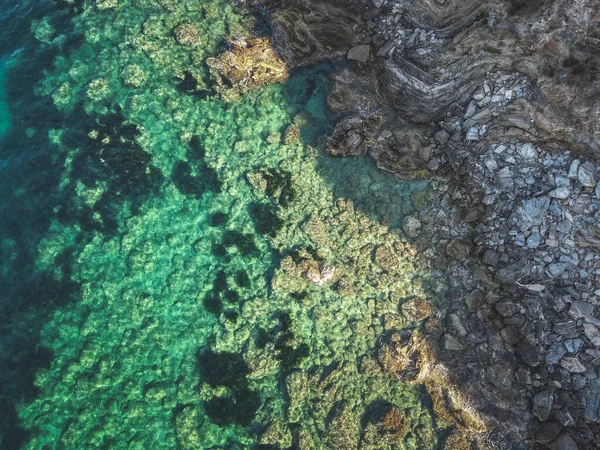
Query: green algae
195	327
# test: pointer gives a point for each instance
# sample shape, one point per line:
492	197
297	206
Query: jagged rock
416	309
563	442
359	53
411	226
592	333
572	364
586	174
531	212
460	248
542	404
247	65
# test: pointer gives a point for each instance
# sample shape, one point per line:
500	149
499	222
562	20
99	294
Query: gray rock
566	328
591	401
359	53
555	353
534	240
573	345
510	334
542	404
472	134
592	333
512	272
572	364
528	353
598	190
564	226
547	431
563	442
505	308
441	137
587	174
573	168
580	310
531	212
460	248
411	226
450	343
490	258
471	109
527	151
556	269
455	325
506	181
474	300
561	193
564	417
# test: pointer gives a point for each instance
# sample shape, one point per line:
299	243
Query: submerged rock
247	65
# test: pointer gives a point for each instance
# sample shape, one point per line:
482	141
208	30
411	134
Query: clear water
152	297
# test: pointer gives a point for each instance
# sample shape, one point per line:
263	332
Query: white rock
573	168
561	193
508	94
473	134
527	151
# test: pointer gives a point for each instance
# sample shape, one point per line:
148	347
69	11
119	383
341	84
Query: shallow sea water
155	295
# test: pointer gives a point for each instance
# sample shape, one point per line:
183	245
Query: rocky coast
497	103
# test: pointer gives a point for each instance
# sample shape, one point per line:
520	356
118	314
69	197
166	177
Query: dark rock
460	248
542	404
528	353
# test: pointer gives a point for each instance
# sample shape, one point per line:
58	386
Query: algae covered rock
247	65
187	34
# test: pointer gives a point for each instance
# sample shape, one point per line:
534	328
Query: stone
547	431
564	226
455	325
529	353
586	174
560	193
527	152
490	258
591	401
505	308
474	300
573	168
563	442
416	309
513	272
542	404
592	333
581	310
534	240
510	334
359	53
531	212
556	269
450	343
460	248
555	353
411	226
441	137
572	364
566	328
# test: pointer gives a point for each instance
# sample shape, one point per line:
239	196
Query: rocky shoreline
498	105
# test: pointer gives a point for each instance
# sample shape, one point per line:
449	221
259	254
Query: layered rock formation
498	103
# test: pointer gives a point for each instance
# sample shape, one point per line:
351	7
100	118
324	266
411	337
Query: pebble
560	193
572	364
573	168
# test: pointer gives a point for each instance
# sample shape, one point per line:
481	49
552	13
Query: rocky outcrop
498	102
248	64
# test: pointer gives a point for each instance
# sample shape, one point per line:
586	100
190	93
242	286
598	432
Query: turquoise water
167	255
4	113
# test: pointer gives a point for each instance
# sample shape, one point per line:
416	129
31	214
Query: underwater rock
247	65
187	34
416	309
